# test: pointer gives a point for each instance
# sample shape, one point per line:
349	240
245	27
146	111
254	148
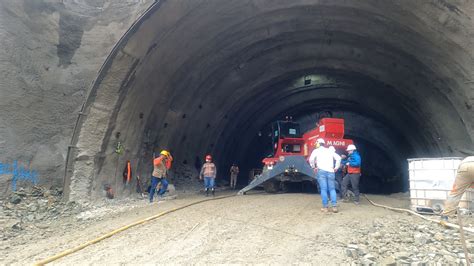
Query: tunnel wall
201	81
196	77
51	52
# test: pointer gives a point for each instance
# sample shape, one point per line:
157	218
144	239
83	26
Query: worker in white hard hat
326	161
464	180
353	174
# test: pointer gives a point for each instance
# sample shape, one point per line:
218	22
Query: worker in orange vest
161	165
353	174
208	173
464	180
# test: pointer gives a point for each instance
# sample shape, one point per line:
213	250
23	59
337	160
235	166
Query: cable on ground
123	228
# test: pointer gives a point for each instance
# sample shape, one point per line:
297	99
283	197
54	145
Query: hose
444	223
123	228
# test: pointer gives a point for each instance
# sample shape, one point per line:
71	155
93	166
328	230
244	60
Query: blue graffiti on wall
19	173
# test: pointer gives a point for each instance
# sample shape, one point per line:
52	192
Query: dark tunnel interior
383	148
383	171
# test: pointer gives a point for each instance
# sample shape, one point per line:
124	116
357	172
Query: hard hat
165	153
320	140
208	157
351	147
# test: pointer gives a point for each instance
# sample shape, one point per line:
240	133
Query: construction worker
353	174
326	161
464	180
340	173
208	173
161	165
234	172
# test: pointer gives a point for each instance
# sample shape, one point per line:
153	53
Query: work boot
207	192
324	210
444	220
357	202
213	194
334	209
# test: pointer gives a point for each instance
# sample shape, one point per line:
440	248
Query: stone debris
26	211
407	241
186	178
35	206
15	199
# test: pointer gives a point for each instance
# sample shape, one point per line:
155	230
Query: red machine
329	129
291	149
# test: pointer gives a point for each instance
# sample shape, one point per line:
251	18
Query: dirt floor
257	228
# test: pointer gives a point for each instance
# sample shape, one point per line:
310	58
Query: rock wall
51	51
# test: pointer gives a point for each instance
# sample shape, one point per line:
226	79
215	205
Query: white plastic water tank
431	179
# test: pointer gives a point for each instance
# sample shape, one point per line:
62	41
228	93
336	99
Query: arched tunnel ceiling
203	73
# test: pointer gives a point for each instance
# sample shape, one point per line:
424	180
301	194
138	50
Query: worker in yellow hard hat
161	165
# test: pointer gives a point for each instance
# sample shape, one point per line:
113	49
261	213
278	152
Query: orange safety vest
353	170
129	172
161	167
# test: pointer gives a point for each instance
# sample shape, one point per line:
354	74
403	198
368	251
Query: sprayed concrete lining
205	77
199	77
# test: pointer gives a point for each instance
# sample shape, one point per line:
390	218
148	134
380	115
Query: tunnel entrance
207	76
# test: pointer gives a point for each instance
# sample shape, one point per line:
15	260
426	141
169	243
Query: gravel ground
258	228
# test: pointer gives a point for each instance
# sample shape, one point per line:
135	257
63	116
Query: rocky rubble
35	207
186	178
407	241
38	213
26	213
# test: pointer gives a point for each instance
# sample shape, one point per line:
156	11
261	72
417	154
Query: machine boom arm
288	166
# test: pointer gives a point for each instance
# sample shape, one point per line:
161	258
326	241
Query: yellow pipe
123	228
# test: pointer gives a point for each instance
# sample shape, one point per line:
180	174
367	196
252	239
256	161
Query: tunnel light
311	79
307	80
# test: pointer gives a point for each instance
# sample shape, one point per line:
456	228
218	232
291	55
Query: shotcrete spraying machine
288	162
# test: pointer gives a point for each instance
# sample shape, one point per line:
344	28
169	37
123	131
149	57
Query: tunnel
208	77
